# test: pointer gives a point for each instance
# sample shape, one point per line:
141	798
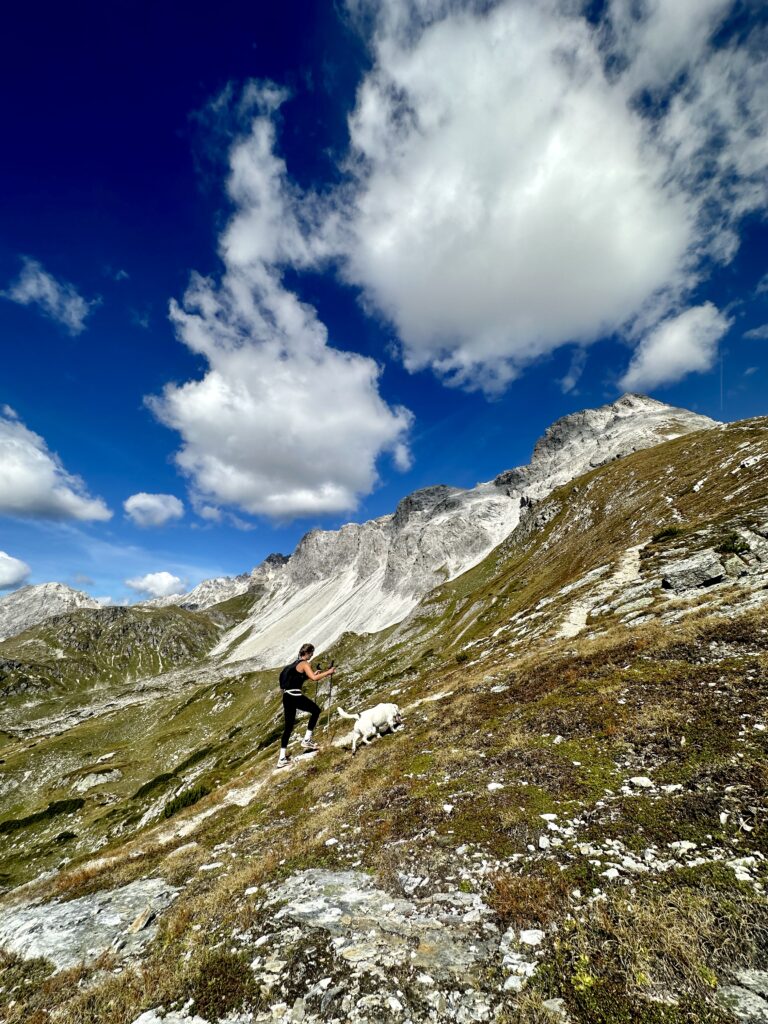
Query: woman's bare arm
309	672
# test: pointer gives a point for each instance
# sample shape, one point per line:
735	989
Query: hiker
292	679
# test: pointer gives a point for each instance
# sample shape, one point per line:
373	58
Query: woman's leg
290	705
305	704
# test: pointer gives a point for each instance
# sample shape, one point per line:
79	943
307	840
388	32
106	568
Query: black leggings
290	706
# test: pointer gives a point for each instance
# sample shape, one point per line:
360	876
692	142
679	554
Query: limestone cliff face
366	576
32	605
584	440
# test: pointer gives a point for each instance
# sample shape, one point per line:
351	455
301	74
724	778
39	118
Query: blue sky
272	267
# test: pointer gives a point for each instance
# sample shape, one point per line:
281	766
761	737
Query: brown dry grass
528	900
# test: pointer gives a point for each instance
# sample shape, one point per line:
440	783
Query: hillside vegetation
571	825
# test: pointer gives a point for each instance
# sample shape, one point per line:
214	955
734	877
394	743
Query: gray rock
699	570
734	566
97	779
377	931
641	782
556	1007
755	980
80	930
175	1017
744	1004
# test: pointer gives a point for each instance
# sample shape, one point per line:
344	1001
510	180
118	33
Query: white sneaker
283	762
309	745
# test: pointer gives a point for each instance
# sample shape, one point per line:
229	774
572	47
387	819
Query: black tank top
291	678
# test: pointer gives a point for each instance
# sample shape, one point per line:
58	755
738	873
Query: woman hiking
292	679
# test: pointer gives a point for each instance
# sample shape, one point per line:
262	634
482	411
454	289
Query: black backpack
287	672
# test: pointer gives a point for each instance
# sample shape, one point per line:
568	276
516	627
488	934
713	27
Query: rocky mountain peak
37	602
583	440
638	413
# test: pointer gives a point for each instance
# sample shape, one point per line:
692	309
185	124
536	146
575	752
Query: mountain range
367	576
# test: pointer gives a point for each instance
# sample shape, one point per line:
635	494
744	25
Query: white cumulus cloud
679	345
282	423
12	571
58	300
508	199
34	482
514	190
157	584
153	509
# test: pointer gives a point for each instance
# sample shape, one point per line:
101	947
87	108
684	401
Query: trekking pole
317	682
330	699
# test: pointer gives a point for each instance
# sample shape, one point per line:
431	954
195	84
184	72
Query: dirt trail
627	571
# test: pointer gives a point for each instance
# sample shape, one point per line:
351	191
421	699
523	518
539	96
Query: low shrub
732	544
666	533
186	798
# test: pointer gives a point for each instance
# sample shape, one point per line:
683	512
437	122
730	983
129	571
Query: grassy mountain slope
566	665
98	647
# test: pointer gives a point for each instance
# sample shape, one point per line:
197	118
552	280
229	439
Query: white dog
382	718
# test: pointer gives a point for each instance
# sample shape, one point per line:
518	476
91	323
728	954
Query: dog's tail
343	714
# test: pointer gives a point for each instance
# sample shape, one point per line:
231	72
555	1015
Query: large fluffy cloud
157	584
680	345
33	480
12	571
525	178
58	300
153	509
282	423
519	177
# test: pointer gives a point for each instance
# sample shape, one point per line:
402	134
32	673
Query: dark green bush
186	798
732	544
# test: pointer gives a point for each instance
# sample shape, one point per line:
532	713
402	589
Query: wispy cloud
759	333
282	423
56	299
575	370
141	320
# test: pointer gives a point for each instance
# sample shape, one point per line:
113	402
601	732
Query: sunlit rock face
29	606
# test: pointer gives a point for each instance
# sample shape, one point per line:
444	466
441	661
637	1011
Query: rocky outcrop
80	930
699	570
32	605
584	440
747	1000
